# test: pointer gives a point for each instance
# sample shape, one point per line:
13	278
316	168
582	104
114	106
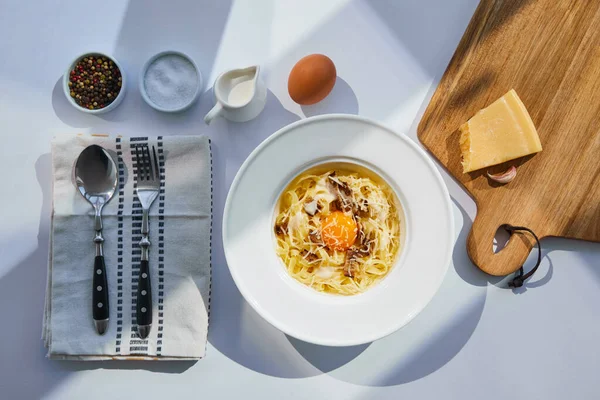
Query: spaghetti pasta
368	231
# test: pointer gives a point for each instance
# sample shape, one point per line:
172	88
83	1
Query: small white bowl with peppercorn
94	83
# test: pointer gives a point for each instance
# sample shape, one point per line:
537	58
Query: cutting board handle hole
500	239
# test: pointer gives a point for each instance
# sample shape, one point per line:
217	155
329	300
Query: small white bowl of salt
170	81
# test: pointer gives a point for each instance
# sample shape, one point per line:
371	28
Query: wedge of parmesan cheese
500	132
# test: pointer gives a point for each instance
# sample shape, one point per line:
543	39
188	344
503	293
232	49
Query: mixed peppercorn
95	82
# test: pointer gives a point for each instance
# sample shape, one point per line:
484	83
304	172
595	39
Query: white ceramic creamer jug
240	95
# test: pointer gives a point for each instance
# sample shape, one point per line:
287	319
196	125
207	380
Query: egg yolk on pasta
338	231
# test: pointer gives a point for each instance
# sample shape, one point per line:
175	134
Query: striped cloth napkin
180	259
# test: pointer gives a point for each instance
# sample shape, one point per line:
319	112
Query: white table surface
475	340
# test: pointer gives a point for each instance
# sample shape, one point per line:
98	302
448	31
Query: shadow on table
22	295
327	358
341	100
166	367
587	252
428	16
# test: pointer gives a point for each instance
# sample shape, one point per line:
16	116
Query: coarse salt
171	81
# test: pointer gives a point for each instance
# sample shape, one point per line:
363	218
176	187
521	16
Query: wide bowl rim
336	342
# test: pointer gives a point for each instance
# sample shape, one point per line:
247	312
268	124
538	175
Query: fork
148	187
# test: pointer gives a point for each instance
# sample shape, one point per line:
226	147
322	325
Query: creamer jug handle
216	110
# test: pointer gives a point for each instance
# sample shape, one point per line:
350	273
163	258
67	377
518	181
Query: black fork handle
143	310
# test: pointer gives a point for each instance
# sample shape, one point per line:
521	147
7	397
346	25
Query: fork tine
146	162
138	158
149	164
156	166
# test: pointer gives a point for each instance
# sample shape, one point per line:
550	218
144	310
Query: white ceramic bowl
112	105
143	87
298	310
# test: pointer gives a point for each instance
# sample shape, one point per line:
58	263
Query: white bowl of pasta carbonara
337	230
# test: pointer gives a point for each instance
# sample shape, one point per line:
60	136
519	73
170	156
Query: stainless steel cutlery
148	187
95	176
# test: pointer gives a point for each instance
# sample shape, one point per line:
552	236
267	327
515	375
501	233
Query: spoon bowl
95	175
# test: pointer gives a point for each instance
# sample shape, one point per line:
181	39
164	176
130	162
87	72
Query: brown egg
311	79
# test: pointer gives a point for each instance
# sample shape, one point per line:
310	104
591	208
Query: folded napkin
180	258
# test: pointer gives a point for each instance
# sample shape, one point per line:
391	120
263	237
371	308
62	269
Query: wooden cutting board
549	52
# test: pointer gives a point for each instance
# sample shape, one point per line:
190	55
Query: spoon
96	179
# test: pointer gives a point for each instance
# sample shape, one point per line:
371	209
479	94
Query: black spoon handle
143	310
100	292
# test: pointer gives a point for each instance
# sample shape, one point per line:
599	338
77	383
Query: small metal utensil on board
148	187
95	176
